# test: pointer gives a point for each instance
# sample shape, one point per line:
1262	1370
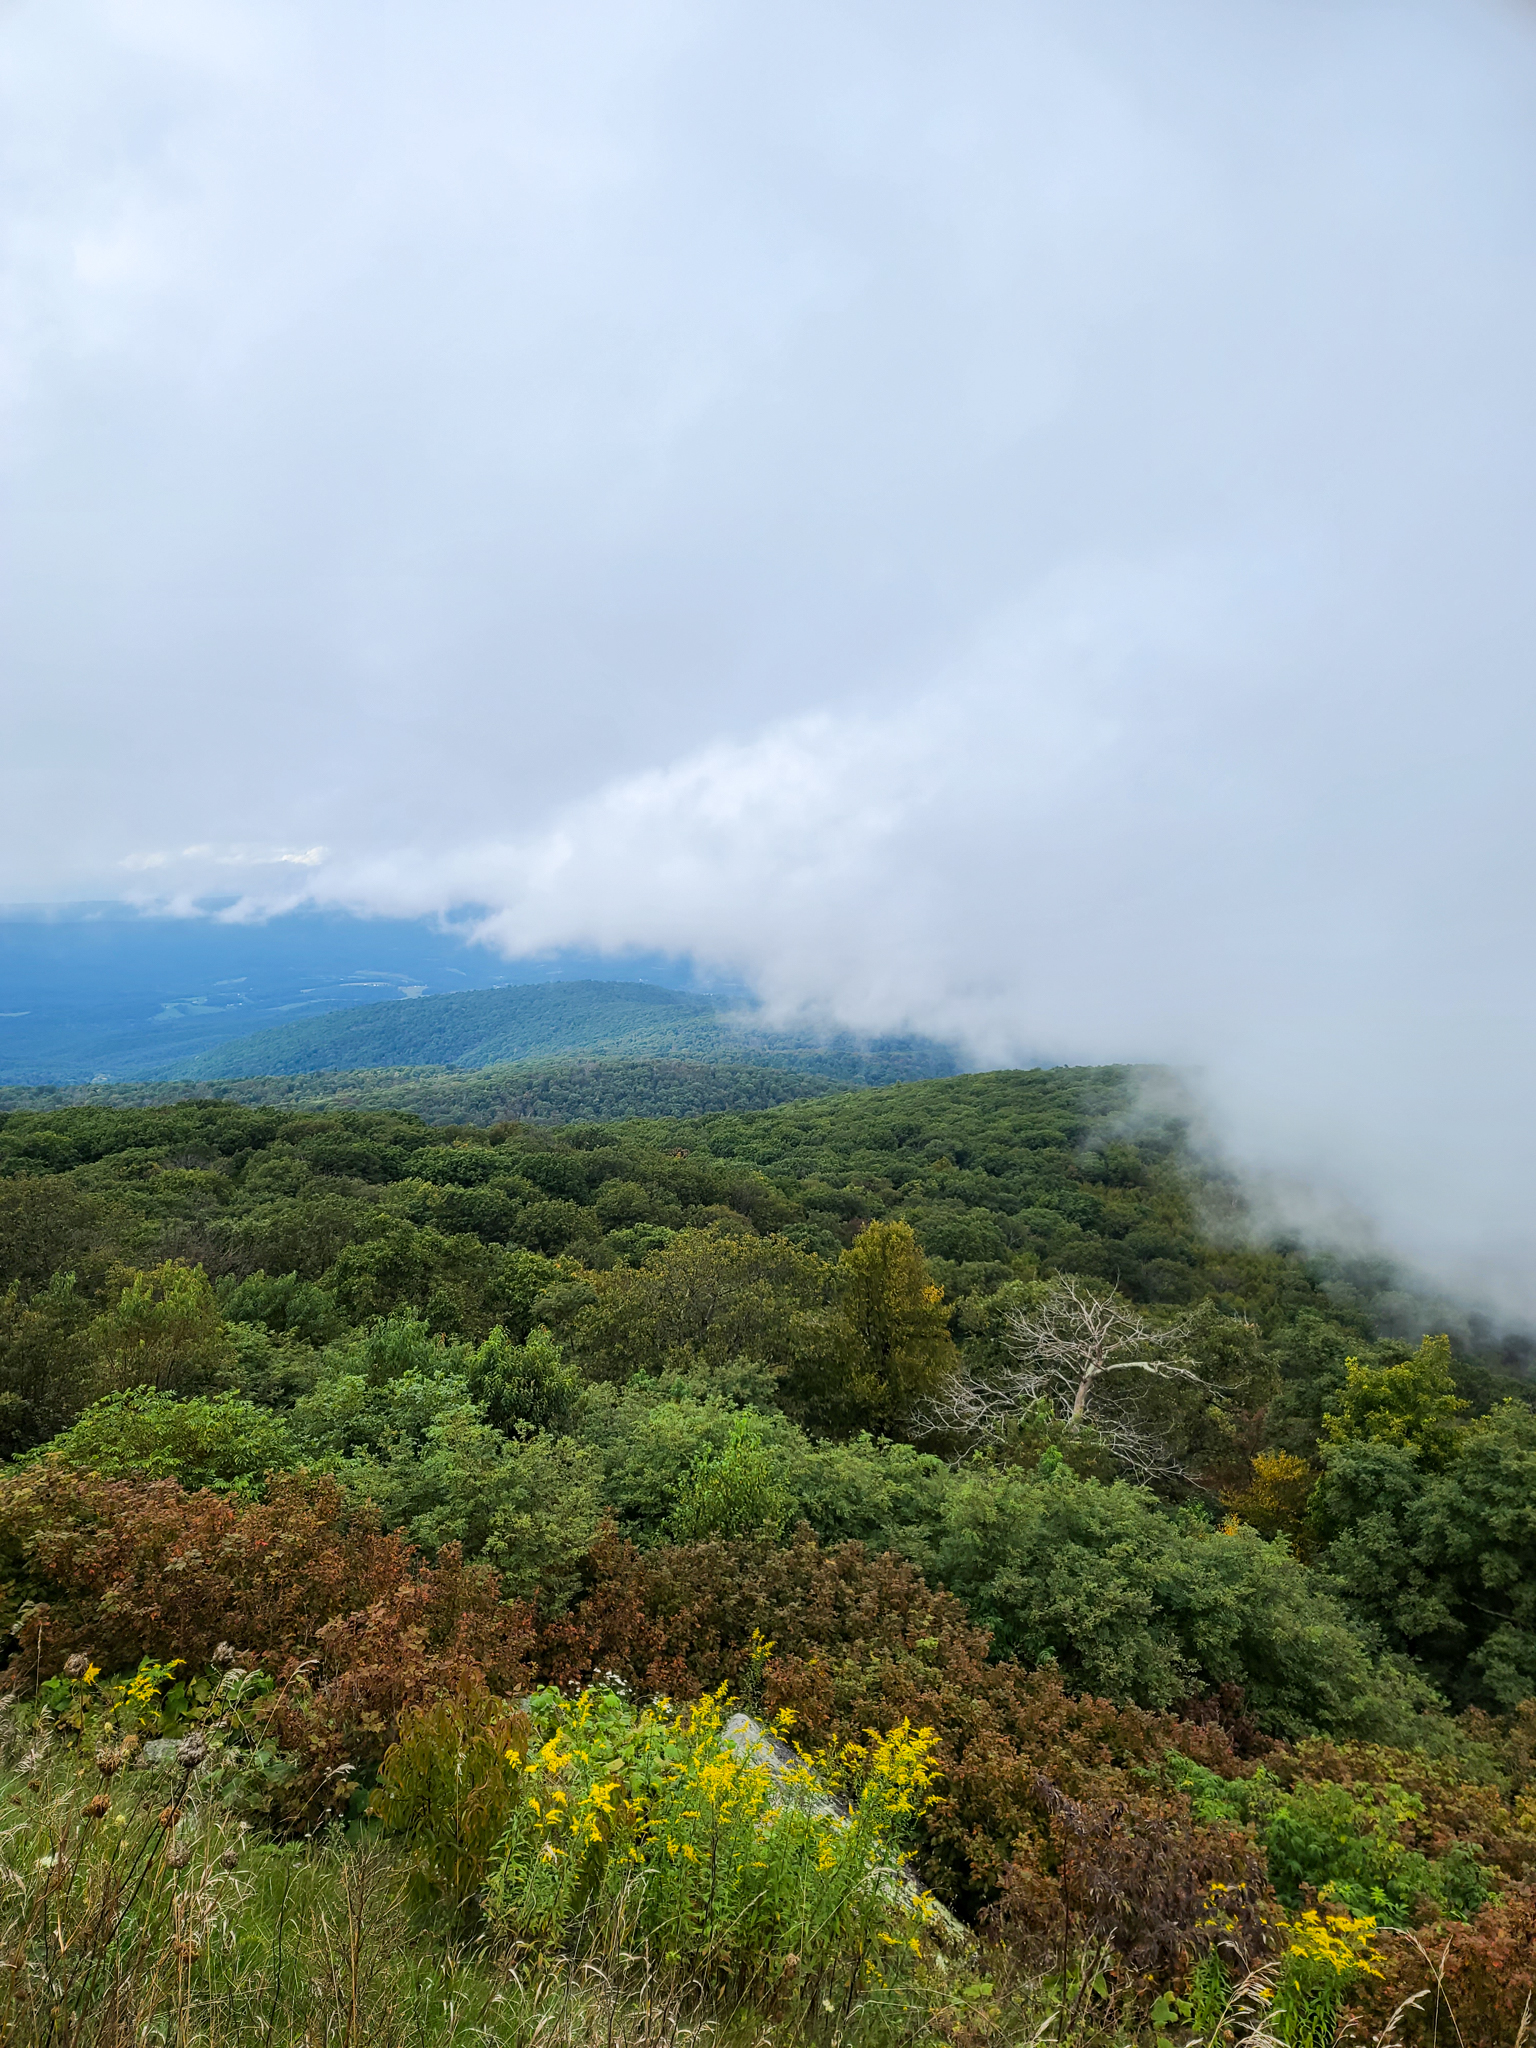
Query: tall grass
139	1910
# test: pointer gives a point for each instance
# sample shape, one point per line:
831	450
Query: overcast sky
1008	518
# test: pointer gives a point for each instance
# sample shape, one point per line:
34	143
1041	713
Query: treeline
556	1092
941	1391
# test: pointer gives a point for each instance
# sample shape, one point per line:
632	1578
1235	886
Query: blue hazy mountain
95	991
559	1021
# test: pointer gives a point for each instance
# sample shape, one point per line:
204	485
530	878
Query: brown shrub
348	1621
125	1569
861	1641
1139	1880
1478	1977
443	1633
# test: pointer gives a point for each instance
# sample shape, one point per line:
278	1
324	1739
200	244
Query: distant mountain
557	1092
556	1021
96	991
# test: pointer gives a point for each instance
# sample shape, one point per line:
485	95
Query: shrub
733	1492
1147	1606
1349	1845
126	1570
219	1441
441	1632
741	1868
1140	1881
861	1642
447	1784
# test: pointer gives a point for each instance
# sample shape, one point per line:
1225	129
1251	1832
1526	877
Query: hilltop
553	1020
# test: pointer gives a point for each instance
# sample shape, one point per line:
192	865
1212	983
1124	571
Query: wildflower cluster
1341	1947
1323	1957
730	1849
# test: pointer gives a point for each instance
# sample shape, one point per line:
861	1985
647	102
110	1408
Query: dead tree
1072	1355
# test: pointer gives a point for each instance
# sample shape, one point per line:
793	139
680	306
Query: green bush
1141	1604
1345	1843
217	1440
735	1491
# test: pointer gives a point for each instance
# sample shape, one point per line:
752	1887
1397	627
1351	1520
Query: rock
754	1743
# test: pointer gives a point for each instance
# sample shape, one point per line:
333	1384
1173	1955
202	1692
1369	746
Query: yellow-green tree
1413	1404
165	1331
1275	1499
892	1343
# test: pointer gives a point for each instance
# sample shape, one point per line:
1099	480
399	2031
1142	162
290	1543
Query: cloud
1014	522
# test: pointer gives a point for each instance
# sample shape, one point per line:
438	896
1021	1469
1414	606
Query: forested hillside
957	1424
552	1020
552	1092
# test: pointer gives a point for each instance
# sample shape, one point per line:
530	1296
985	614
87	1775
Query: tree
523	1385
1088	1365
1442	1563
46	1368
164	1332
1275	1499
889	1338
707	1297
1413	1403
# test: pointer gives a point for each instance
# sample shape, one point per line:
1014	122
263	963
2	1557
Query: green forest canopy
651	1369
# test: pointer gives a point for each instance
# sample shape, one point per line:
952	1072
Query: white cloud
1015	521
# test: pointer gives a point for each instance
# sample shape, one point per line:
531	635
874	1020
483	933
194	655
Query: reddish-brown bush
862	1641
1478	1977
127	1570
444	1632
349	1622
1139	1879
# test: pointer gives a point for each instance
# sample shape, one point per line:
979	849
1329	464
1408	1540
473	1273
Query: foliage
525	1383
214	1440
1143	1606
1443	1563
1413	1404
164	1331
703	1299
734	1492
602	1407
448	1785
1148	1888
284	1304
1276	1497
125	1569
1349	1845
1324	1956
47	1373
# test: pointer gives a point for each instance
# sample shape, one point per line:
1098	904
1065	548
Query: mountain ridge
551	1021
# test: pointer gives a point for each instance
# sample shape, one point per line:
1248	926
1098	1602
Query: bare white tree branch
1063	1354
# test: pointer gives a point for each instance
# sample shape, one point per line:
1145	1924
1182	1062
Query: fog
1010	520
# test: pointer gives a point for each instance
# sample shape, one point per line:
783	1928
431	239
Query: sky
1013	520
